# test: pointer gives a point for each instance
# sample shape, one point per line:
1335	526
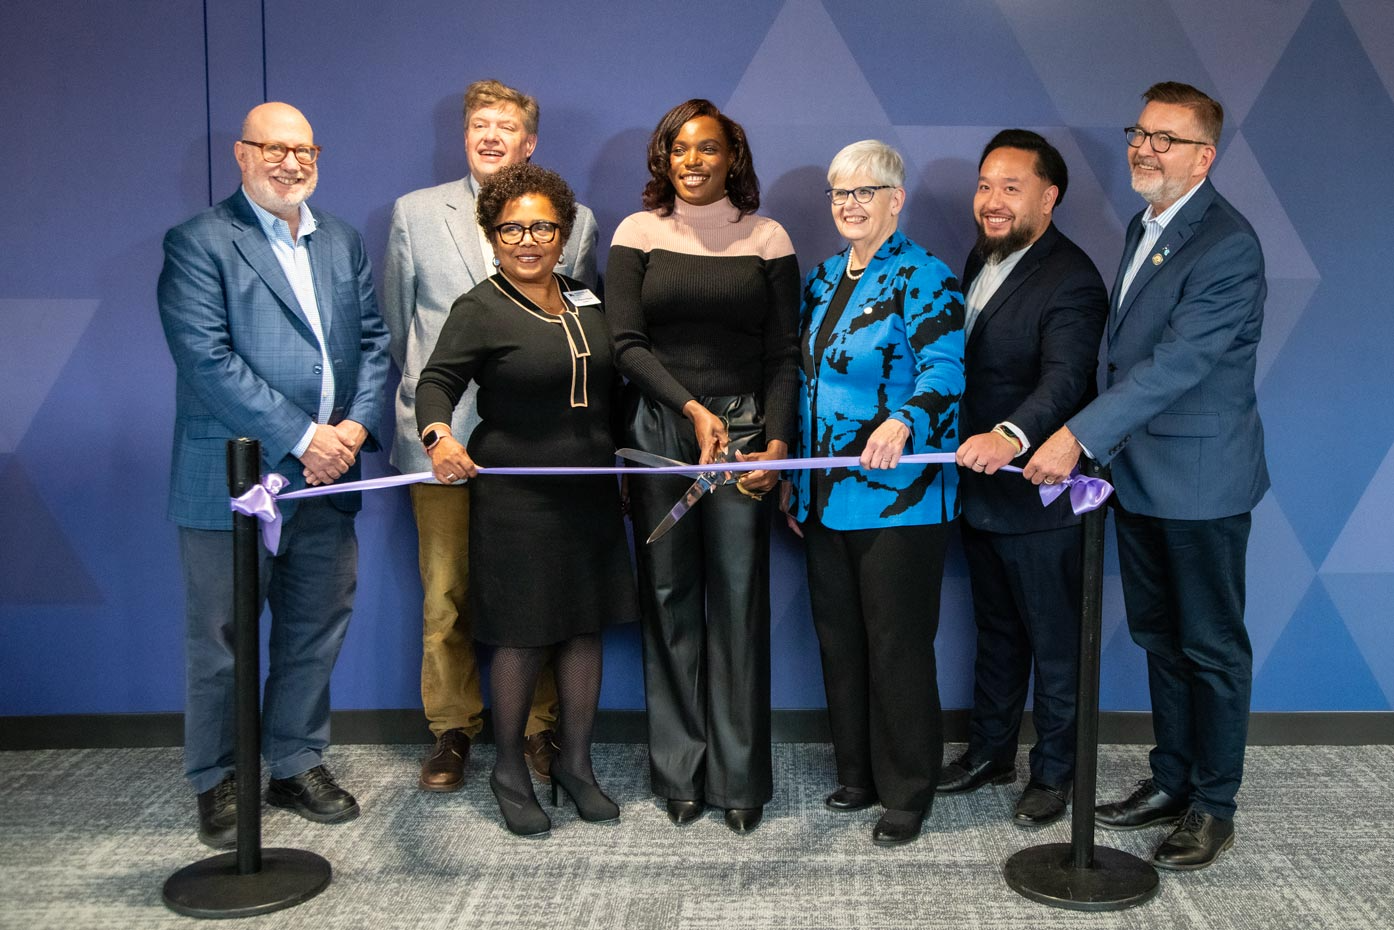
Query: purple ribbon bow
260	502
1086	493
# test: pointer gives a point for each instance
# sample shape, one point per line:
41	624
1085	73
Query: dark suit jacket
248	362
1030	360
1178	419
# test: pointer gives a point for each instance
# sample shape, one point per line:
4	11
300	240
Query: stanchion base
213	888
1046	874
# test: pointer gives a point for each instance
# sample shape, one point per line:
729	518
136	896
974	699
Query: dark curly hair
514	181
742	186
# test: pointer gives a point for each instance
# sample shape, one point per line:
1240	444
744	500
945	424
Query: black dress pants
705	593
1027	590
875	599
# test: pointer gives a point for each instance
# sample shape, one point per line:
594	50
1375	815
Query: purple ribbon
1086	493
260	501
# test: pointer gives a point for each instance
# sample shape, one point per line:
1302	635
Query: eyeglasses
542	232
276	152
1161	141
839	195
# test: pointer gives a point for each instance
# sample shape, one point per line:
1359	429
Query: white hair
872	157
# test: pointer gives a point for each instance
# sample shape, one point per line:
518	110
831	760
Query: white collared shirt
486	248
1152	227
980	294
294	258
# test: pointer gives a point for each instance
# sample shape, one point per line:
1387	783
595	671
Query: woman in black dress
548	561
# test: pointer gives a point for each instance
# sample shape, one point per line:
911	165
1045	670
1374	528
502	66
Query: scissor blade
693	494
654	461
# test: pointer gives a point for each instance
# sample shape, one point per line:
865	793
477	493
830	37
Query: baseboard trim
407	726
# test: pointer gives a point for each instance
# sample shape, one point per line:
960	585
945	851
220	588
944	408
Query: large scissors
708	480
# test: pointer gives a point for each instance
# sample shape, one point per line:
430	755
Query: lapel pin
1157	258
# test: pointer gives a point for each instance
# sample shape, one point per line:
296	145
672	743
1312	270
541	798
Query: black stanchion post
251	880
1079	875
243	471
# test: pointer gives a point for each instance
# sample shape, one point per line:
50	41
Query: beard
277	199
1156	187
995	248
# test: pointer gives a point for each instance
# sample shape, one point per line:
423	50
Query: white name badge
582	298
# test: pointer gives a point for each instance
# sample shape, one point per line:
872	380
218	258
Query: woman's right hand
786	490
450	462
710	429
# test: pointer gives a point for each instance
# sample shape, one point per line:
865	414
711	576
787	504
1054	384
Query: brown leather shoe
444	768
540	750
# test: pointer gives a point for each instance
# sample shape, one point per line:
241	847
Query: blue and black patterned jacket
897	352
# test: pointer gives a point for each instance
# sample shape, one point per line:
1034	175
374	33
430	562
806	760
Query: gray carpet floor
88	837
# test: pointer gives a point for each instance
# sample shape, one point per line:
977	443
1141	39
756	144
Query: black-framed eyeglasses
542	232
839	195
276	152
1161	141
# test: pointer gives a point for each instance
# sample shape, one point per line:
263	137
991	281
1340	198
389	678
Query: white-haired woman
882	344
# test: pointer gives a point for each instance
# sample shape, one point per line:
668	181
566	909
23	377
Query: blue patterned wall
119	123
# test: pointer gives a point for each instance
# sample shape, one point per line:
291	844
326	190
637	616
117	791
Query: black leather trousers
704	588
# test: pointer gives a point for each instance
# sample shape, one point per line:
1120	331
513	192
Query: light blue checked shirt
295	262
1152	227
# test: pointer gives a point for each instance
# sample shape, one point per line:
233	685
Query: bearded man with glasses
269	312
1178	422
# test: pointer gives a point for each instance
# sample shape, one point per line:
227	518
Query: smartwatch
431	437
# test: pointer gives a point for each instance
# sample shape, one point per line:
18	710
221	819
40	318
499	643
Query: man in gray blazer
1179	422
269	312
436	252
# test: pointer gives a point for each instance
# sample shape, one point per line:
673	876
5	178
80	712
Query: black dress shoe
1197	841
965	774
314	795
444	768
897	827
217	814
681	812
1145	807
846	798
1041	804
744	819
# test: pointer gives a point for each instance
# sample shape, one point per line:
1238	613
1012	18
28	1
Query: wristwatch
431	437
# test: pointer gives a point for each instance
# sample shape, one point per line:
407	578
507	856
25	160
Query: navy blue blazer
1178	418
1031	359
247	361
897	352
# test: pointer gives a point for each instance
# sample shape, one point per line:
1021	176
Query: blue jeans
309	585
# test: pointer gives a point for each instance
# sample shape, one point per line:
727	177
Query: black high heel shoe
591	803
521	812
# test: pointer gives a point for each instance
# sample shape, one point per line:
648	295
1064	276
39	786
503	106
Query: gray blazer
433	257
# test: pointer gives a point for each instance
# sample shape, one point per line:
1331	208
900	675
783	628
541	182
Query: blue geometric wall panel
90	591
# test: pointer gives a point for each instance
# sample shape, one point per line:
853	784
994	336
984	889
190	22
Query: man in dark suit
269	312
1036	309
436	252
1179	422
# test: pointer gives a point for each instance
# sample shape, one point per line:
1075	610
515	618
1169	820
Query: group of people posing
709	348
